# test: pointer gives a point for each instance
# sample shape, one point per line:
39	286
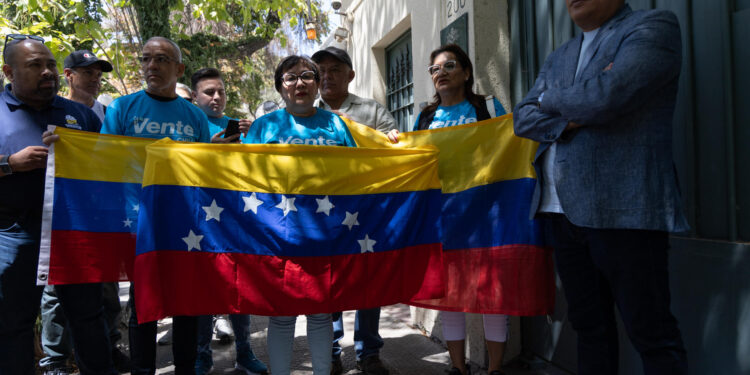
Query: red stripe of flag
172	283
88	257
510	279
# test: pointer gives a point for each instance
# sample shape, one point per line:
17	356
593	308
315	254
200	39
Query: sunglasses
448	67
21	37
11	37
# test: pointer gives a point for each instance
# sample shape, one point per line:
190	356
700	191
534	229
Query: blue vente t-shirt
217	124
458	114
146	116
324	128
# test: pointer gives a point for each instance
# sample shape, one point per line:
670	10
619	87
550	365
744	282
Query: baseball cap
85	58
337	53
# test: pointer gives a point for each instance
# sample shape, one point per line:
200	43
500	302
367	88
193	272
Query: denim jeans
367	340
281	340
20	300
56	342
240	326
601	269
142	338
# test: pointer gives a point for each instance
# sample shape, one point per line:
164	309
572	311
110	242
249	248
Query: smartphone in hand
233	127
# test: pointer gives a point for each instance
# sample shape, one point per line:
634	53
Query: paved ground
406	350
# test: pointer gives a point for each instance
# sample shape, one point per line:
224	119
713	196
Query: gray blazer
616	171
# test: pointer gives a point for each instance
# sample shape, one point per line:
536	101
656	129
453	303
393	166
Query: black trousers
604	268
142	338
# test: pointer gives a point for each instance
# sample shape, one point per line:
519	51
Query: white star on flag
251	203
324	206
350	220
213	211
287	204
366	244
136	207
127	222
193	241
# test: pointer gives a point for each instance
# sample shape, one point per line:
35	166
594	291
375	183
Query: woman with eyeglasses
296	79
455	103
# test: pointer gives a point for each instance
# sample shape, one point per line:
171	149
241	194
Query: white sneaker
223	330
166	338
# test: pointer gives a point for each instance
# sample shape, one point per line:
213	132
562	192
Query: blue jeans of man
240	326
20	300
55	338
604	268
367	340
142	338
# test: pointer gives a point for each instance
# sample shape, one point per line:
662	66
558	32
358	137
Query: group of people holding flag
484	254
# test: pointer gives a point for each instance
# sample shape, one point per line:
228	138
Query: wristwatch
4	166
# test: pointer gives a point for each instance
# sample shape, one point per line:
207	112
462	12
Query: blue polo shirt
21	193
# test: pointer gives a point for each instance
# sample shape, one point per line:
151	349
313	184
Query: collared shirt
22	126
366	112
550	200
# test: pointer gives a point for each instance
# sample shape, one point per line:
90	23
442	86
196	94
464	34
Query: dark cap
337	53
84	57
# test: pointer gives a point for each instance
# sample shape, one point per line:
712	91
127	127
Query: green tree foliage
225	34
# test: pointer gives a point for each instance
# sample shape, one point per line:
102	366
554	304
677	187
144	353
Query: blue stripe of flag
490	215
393	220
95	206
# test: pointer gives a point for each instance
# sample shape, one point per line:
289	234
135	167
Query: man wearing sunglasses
27	106
158	112
336	72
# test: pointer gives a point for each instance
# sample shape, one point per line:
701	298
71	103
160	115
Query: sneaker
203	365
165	339
249	364
120	360
497	372
58	371
372	365
223	330
337	368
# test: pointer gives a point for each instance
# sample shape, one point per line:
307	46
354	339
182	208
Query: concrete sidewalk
406	350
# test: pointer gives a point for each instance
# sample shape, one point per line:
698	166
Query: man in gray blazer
602	109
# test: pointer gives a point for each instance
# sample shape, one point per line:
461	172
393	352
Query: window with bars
400	94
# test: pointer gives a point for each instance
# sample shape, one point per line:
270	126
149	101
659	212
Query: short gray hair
170	41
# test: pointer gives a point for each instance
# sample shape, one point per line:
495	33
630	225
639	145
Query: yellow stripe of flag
470	155
100	157
291	169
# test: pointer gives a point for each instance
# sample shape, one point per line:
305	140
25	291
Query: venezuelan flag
494	256
285	229
91	205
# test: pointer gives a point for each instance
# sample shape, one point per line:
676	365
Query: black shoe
497	372
120	360
337	368
372	365
456	371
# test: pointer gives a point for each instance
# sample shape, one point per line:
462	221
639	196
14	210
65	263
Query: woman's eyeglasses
448	67
307	76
